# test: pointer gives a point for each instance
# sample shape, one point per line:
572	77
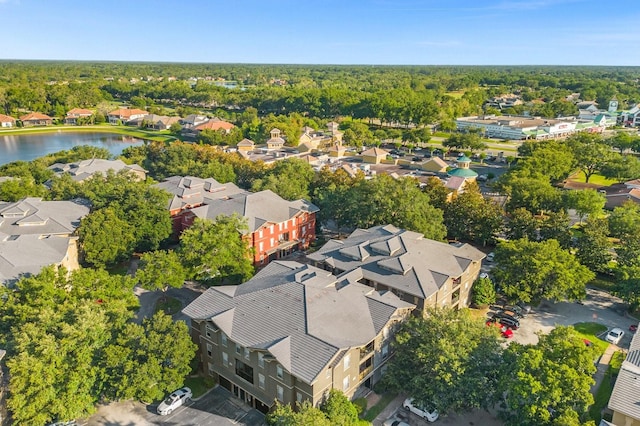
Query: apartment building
294	332
625	398
418	270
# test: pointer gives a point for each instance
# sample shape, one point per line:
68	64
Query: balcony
367	351
365	369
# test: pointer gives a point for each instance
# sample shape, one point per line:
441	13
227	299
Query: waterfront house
294	332
124	115
74	114
36	119
7	122
84	169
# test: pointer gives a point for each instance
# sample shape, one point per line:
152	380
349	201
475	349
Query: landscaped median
161	136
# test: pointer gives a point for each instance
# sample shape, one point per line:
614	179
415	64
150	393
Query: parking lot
217	407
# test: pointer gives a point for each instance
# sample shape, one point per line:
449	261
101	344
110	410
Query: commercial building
519	127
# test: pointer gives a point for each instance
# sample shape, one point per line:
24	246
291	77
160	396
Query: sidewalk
389	410
602	367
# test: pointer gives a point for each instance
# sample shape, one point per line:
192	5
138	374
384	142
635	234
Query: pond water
31	146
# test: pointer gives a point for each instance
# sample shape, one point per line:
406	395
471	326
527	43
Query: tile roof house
625	398
418	270
276	226
82	170
215	124
36	119
7	121
294	332
35	234
74	114
154	121
123	115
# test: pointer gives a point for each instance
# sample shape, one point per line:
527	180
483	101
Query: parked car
614	335
430	414
482	178
506	320
525	308
516	311
505	331
175	400
633	328
490	257
416	158
394	422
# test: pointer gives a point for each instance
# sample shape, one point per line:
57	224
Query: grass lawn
456	94
199	385
169	305
119	269
590	331
594	179
601	398
373	412
603	282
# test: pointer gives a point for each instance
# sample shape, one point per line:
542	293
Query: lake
31	146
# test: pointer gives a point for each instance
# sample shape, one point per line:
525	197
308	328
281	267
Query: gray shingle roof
81	170
193	191
302	315
625	397
399	259
35	233
259	208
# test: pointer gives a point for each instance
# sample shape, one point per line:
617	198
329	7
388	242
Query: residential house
74	114
36	233
275	141
193	120
154	121
214	124
277	226
618	194
124	115
504	101
374	155
36	119
294	332
435	164
625	398
418	270
7	122
84	169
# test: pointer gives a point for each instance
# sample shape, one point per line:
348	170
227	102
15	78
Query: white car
394	422
614	335
490	257
175	400
430	416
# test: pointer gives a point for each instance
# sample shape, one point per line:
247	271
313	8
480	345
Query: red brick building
277	227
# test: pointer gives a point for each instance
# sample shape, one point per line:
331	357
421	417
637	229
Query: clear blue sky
422	32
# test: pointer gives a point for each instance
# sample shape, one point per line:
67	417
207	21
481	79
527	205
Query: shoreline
121	130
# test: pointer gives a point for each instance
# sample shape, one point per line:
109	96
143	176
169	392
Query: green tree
160	269
214	251
306	414
483	292
550	382
624	224
593	245
147	361
590	153
470	216
621	168
18	188
437	192
556	226
628	285
446	359
290	178
531	271
106	237
521	224
586	202
339	410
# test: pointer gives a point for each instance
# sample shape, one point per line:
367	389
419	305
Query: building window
385	351
209	349
271	241
280	226
223	339
271	229
279	372
209	331
345	383
385	332
260	233
260	359
280	390
261	247
238	349
225	359
299	397
246	353
328	373
261	380
210	365
347	361
245	371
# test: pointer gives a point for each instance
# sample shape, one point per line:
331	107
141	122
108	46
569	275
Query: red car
505	331
633	328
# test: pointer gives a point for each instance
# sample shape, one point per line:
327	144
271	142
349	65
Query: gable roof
79	111
84	169
127	112
192	191
304	316
376	152
437	160
259	208
35	116
6	119
33	216
625	397
399	259
215	124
